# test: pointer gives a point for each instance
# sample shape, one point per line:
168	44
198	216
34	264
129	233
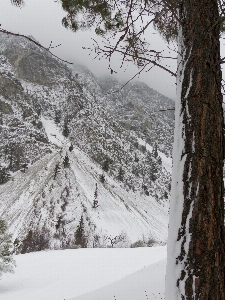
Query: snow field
87	274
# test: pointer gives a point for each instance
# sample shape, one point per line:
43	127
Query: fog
42	20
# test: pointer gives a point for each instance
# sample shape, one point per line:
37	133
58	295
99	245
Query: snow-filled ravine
87	274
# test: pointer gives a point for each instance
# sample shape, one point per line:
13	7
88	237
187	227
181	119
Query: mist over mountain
83	160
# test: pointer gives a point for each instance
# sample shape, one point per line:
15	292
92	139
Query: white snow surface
52	131
87	274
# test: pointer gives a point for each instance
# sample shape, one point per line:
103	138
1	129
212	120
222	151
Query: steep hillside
77	158
141	109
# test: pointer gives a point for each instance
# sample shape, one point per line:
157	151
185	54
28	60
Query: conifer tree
6	248
71	148
153	171
102	178
58	116
4	175
105	165
120	174
66	161
159	160
136	159
80	238
95	202
155	151
149	157
56	170
24	167
66	130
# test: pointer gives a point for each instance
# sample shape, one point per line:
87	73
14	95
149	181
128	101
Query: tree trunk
195	267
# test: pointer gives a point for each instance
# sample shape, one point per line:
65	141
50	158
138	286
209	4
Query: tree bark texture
200	236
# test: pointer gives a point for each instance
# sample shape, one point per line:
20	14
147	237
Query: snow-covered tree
195	268
80	238
66	130
95	202
6	248
120	174
155	151
102	178
66	161
4	175
58	116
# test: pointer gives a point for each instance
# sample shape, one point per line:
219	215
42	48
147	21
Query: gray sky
42	20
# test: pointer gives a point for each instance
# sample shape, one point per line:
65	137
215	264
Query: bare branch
138	73
36	43
142	59
167	109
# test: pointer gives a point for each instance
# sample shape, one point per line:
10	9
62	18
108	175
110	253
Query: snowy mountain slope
46	110
166	161
58	275
71	194
141	109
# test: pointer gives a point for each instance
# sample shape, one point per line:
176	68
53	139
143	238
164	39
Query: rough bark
201	233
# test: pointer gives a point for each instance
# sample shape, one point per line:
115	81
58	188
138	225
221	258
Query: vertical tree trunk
195	267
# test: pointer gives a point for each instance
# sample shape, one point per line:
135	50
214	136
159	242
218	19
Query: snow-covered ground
53	132
87	274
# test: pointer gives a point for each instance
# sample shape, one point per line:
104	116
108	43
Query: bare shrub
36	240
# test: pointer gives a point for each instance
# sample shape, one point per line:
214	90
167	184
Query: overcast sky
42	20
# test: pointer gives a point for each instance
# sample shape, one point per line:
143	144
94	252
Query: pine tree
58	116
197	184
165	195
120	174
57	170
136	159
6	247
145	188
155	151
149	157
16	246
58	222
24	167
95	202
11	158
66	130
80	238
4	175
153	171
66	161
143	148
71	148
105	165
102	178
159	160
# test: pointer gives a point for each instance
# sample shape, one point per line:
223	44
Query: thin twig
36	43
138	73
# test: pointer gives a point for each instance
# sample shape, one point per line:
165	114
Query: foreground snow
87	274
